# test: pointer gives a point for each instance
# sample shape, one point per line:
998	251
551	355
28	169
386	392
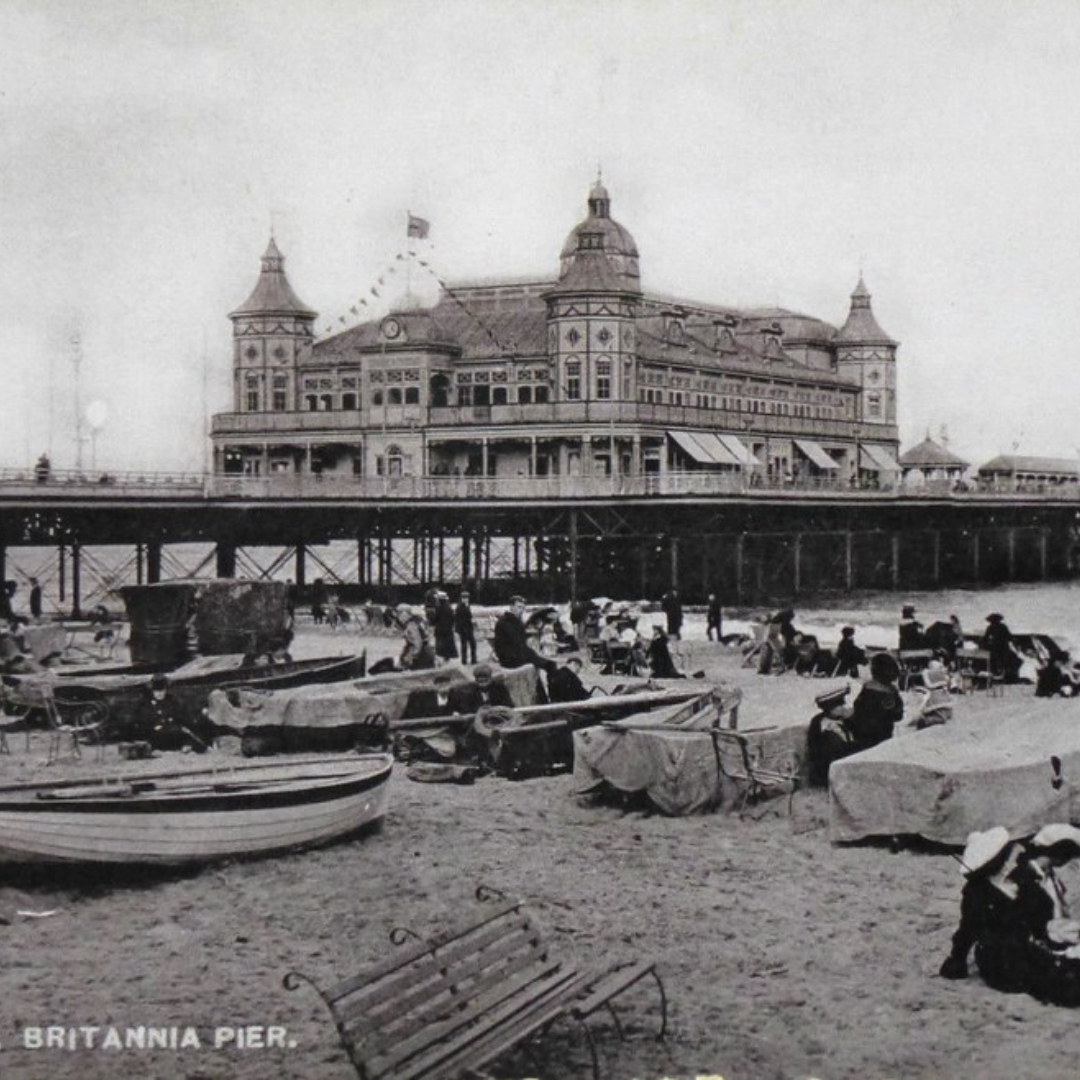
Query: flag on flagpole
418	228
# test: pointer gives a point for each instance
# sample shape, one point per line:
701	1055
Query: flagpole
408	260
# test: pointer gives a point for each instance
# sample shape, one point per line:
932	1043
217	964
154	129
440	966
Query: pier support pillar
796	558
674	562
299	566
76	581
225	556
849	562
466	540
1042	554
935	551
139	579
153	562
975	555
573	556
1010	550
740	564
894	560
61	573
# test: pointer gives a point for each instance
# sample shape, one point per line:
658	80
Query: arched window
498	395
541	395
348	402
525	395
376	397
311	402
393	395
395	461
440	391
573	380
412	395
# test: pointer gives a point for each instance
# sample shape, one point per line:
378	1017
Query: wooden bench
747	773
452	1005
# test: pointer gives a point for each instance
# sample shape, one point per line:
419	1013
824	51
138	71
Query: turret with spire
867	355
591	309
272	330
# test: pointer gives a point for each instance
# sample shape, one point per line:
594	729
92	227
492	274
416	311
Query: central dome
599	253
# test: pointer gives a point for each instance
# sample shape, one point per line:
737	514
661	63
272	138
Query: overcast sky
760	153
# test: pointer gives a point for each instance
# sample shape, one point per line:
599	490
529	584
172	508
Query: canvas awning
741	451
704	447
815	454
877	459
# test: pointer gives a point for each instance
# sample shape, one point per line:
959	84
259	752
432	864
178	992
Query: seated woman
660	662
827	738
879	706
935	702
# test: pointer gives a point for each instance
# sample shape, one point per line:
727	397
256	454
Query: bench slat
399	1017
494	941
505	998
457	1042
402	956
603	986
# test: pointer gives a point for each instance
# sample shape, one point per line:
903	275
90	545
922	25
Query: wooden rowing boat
193	816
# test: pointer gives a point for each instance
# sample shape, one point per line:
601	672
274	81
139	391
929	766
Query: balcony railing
450	488
104	482
750	426
23	483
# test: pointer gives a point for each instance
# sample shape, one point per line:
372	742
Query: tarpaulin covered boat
193	816
334	716
125	695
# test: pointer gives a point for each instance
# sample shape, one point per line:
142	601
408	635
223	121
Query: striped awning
704	447
739	449
877	459
815	454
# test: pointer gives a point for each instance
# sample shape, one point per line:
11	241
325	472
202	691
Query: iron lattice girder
288	524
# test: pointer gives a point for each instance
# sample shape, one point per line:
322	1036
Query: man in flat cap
828	739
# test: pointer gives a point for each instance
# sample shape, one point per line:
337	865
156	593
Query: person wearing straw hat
935	702
988	899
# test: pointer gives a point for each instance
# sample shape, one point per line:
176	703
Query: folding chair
620	658
742	768
13	717
76	721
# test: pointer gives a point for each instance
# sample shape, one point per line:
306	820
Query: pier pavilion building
583	375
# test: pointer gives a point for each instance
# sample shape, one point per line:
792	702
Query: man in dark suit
511	643
565	683
35	598
466	632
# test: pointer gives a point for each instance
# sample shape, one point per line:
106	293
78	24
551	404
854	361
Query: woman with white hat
935	702
988	901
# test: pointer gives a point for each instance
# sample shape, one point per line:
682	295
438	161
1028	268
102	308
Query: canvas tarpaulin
676	767
970	774
347	704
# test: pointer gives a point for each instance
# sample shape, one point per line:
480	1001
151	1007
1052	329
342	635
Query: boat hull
194	817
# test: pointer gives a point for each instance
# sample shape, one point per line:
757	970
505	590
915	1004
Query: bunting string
363	308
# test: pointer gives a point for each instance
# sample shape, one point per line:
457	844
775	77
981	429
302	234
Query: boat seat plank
450	1006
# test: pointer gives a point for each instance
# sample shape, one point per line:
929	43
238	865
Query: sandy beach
783	956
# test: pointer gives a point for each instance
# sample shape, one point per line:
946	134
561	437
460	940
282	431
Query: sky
760	153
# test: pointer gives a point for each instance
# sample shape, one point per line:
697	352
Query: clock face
391	329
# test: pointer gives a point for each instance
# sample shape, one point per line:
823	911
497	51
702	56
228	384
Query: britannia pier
558	435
